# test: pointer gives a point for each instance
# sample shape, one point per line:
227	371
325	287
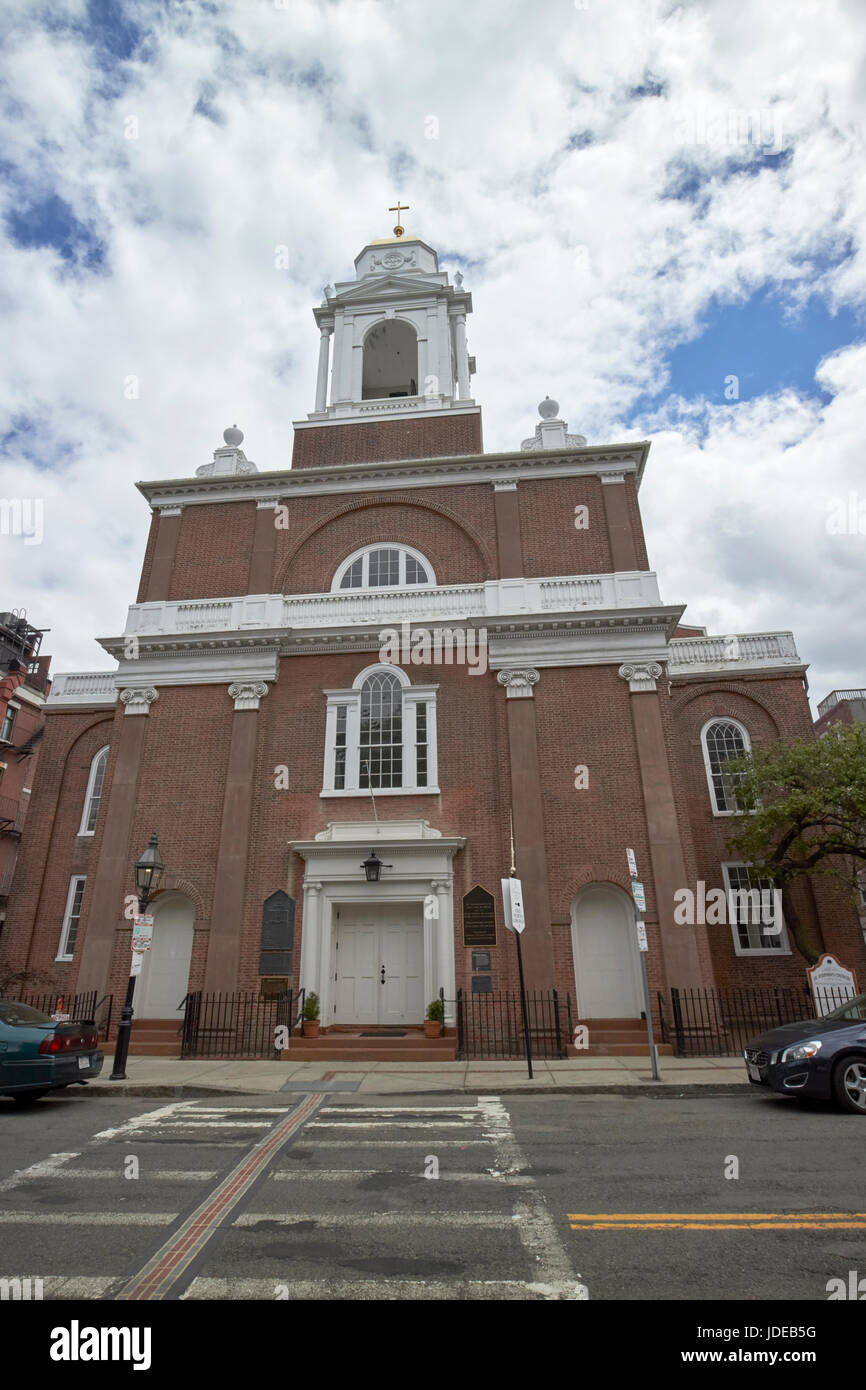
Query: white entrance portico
378	952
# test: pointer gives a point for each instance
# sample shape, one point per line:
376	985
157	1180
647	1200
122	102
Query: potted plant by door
433	1021
310	1016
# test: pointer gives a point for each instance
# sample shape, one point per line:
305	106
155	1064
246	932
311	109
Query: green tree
803	814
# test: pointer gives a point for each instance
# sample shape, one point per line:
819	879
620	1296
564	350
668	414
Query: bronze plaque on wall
479	918
278	934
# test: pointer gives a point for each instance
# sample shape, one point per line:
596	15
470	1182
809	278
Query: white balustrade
417	603
83	687
755	649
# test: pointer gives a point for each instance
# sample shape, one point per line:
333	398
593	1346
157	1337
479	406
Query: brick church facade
408	645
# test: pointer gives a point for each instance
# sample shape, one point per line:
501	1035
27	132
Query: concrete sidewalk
169	1076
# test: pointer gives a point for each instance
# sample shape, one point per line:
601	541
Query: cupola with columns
392	352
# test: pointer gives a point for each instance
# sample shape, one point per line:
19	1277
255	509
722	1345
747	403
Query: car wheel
29	1097
849	1084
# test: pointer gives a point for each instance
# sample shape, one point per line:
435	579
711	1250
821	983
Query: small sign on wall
479	918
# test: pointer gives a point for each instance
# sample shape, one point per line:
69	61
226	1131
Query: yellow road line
715	1215
718	1221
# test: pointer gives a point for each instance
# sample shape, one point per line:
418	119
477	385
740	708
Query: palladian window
383	567
380	736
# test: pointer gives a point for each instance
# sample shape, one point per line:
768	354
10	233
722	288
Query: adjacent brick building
407	645
24	686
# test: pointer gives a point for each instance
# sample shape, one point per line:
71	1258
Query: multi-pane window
753	912
380	735
71	917
383	567
8	724
421	745
354	576
340	750
723	740
93	795
381	742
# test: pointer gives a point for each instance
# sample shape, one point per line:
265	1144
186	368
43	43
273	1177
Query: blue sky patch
50	221
765	346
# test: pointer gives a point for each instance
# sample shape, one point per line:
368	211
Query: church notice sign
479	918
831	984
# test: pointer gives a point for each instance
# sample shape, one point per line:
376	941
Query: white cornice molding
518	465
378	410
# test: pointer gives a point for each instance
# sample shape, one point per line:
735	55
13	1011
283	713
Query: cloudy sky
659	208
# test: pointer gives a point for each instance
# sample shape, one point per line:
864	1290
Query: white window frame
747	748
88	795
366	551
413	696
62	952
784	947
10	705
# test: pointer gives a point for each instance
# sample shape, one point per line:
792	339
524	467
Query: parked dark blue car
822	1058
38	1055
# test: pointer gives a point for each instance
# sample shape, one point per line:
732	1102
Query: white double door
378	964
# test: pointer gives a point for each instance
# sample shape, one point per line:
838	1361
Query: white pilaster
322	379
311	938
462	357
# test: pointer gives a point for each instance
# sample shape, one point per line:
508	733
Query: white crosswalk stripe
498	1222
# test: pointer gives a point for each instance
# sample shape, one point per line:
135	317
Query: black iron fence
490	1026
235	1025
719	1023
80	1007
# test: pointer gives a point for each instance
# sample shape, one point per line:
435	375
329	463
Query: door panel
366	942
401	997
605	956
164	978
357	971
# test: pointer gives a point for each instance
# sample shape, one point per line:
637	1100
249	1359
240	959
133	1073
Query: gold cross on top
401	207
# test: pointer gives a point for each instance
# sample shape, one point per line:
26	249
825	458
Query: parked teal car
38	1055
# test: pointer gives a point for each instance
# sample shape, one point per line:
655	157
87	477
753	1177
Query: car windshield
854	1009
21	1015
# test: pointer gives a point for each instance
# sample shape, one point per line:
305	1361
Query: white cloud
319	119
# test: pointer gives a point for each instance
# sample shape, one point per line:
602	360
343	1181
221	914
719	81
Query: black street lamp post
148	872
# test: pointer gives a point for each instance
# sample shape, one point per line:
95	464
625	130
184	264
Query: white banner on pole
632	863
512	904
641	935
137	962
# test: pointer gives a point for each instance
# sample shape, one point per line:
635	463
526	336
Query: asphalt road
335	1196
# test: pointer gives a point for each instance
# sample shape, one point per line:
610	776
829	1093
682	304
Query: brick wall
52	851
432	436
770	708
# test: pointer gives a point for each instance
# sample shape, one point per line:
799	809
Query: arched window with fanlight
391	566
380	736
93	795
722	740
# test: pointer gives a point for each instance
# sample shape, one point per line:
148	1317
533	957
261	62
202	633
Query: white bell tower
393	340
